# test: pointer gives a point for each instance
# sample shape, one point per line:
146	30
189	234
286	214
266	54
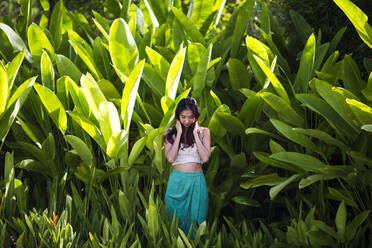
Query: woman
187	147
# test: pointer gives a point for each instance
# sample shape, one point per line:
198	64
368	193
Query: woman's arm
203	146
171	150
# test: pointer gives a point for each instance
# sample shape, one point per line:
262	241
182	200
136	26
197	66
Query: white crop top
188	155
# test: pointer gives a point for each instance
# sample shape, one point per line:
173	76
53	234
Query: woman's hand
196	130
178	127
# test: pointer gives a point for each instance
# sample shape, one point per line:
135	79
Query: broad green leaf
160	64
198	81
136	150
108	89
305	182
13	68
16	41
368	128
122	47
90	128
33	165
78	98
37	41
257	48
351	76
87	59
129	94
342	196
66	67
194	54
4	89
92	93
358	18
253	130
231	123
352	227
56	23
101	24
246	201
305	71
304	161
275	147
367	92
153	80
323	136
47	72
238	74
362	111
341	221
336	100
251	110
117	145
151	15
319	106
265	180
201	9
188	26
174	74
169	115
285	111
53	106
290	134
274	191
241	26
48	147
335	40
81	148
303	28
108	120
101	58
77	39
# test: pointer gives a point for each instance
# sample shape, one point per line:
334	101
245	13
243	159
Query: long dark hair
184	104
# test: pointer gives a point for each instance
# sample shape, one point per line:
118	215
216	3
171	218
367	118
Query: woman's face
187	118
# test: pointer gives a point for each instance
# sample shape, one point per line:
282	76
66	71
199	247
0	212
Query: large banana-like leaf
54	107
201	9
122	47
67	68
238	73
274	191
362	111
198	81
81	148
284	110
56	23
160	64
273	79
174	74
37	41
136	150
47	71
108	120
352	77
190	28
129	94
303	28
13	68
101	24
358	18
16	41
241	26
92	93
4	89
101	58
153	80
305	71
231	123
304	161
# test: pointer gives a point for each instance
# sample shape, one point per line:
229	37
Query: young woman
187	147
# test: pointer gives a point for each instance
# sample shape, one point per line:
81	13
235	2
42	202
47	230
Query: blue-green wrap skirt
187	197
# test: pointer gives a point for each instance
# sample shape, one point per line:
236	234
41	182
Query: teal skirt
187	197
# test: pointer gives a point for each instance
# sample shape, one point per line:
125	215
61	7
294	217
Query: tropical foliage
84	104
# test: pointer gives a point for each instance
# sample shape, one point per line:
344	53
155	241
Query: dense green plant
85	136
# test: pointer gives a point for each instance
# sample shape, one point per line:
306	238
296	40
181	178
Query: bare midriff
188	167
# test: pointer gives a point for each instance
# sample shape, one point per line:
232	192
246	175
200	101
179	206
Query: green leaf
267	180
362	111
201	10
358	18
341	221
93	94
101	24
4	89
37	41
304	161
129	94
305	182
169	115
231	123
108	120
16	41
282	107
56	23
101	58
352	227
136	150
53	106
253	130
174	74
153	80
160	64
188	26
303	28
66	67
13	68
81	148
274	191
198	81
238	74
47	72
122	47
305	71
290	134
351	76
